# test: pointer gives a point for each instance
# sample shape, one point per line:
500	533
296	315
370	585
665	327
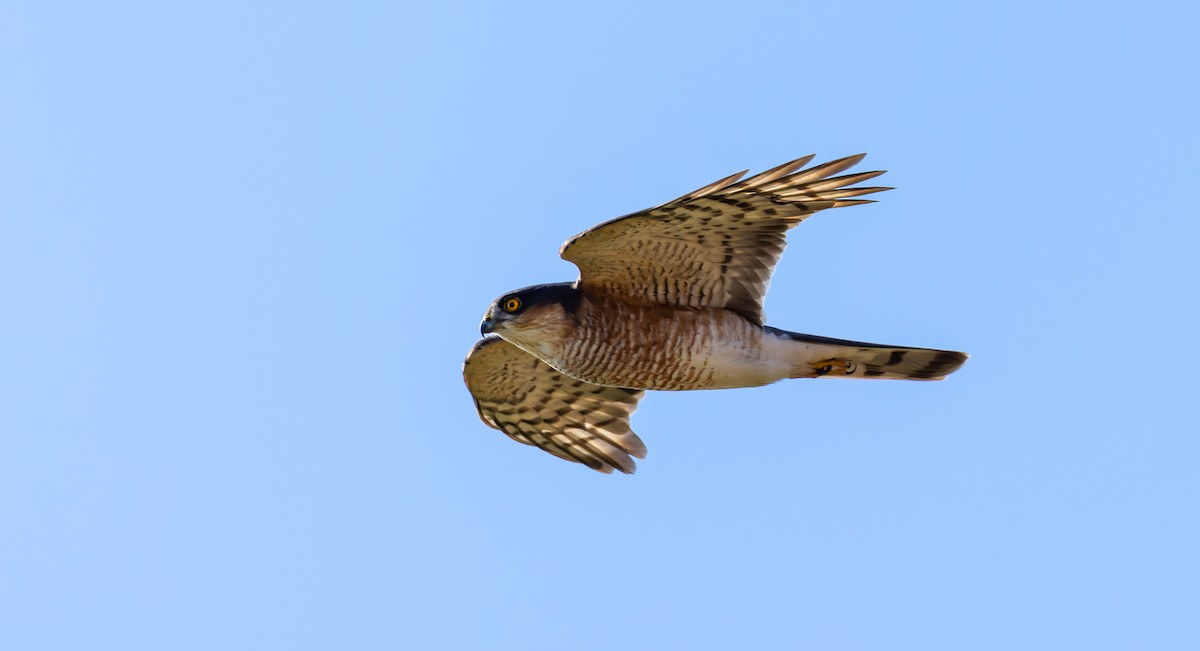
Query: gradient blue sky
244	248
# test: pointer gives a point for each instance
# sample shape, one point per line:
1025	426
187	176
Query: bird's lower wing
534	404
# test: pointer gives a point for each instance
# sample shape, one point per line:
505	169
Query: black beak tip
485	327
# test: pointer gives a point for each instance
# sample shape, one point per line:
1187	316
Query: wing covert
716	246
534	404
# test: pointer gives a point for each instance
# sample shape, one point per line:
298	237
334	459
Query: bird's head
533	317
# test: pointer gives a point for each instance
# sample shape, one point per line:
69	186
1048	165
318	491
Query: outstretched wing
717	246
534	404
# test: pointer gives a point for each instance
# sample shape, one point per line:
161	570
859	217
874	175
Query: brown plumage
534	404
670	298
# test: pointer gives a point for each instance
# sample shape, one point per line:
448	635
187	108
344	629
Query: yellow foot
834	367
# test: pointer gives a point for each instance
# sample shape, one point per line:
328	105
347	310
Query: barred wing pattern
716	246
534	404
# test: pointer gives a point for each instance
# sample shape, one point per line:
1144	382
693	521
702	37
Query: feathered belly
687	350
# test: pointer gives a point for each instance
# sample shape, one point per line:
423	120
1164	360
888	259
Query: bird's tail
826	357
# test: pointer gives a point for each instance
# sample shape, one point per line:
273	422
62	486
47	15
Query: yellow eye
511	304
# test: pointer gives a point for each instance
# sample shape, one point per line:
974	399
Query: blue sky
244	248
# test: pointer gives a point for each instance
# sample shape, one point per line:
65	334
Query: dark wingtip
942	364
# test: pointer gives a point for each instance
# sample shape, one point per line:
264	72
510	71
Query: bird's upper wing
717	246
531	402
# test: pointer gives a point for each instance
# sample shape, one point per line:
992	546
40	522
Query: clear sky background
244	248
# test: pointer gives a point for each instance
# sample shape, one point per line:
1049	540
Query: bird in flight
668	299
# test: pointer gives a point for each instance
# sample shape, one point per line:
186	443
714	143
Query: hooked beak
486	326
